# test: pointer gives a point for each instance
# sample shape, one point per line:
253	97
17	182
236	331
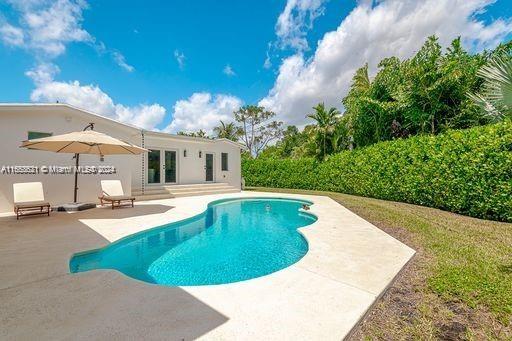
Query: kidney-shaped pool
233	240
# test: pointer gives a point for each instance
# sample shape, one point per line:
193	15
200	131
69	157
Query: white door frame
213	166
162	166
177	165
147	167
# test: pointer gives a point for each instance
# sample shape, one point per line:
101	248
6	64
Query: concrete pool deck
349	264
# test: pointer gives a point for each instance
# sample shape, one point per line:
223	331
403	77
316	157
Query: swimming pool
233	240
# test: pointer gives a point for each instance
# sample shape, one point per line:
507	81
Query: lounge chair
29	199
113	193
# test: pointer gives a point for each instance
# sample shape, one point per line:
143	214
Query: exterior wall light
184	153
200	154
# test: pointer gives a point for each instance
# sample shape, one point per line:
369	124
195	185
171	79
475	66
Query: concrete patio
348	266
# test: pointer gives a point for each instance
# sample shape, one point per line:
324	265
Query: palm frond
495	97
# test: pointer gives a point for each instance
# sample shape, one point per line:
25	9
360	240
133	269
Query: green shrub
463	171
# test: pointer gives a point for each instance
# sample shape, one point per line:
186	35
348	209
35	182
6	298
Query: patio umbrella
83	142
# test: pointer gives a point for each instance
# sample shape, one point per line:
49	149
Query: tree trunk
325	137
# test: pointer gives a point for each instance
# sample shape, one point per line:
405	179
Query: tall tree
308	143
361	81
292	138
424	94
258	128
200	133
341	138
326	122
228	131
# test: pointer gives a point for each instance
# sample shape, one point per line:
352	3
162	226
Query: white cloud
180	58
92	98
45	28
203	111
199	111
49	26
228	71
293	25
369	34
121	61
11	35
294	22
268	63
89	97
43	73
142	115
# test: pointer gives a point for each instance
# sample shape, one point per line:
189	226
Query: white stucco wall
14	127
17	120
191	169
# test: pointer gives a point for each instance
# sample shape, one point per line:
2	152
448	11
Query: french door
154	166
170	166
209	166
162	166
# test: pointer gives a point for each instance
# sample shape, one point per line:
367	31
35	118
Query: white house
174	166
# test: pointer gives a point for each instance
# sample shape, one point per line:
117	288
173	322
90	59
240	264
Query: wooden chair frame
37	209
117	202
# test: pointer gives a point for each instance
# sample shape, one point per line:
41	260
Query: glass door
209	166
170	166
153	166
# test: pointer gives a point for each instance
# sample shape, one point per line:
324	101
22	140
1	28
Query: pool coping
310	260
349	265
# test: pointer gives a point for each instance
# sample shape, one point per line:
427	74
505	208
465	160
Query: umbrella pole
76	177
77	156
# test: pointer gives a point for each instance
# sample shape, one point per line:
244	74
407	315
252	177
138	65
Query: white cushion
26	192
112	188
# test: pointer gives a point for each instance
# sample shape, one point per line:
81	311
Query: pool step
207	192
186	190
177	189
150	191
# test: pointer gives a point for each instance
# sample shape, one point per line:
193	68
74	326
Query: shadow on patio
41	299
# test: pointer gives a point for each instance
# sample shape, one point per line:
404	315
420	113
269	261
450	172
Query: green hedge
464	171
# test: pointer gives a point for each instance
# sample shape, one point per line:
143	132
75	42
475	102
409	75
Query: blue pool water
233	240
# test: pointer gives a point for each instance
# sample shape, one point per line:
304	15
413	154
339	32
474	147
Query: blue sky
183	65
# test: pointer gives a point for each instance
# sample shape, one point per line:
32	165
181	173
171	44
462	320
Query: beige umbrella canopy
83	142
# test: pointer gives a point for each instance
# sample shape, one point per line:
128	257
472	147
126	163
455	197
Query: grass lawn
459	284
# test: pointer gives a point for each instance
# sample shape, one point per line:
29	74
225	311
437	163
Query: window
224	157
37	135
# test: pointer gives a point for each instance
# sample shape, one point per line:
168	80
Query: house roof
14	106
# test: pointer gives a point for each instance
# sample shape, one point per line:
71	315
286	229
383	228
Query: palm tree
339	136
228	131
496	95
326	122
201	133
361	81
